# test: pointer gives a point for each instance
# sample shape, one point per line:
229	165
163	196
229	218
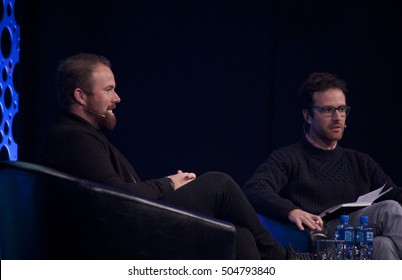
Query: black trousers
217	195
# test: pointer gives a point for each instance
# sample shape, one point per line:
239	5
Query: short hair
76	72
316	82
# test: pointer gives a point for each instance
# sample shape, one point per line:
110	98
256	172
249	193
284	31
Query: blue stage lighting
9	57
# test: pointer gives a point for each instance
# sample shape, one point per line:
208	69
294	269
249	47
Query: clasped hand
181	178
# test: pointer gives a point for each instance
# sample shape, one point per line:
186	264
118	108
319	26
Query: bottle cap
344	218
364	219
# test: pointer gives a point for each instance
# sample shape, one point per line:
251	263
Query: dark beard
108	122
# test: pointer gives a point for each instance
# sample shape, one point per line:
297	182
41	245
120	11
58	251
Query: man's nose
336	115
117	98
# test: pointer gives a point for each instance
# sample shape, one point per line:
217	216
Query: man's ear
307	116
79	96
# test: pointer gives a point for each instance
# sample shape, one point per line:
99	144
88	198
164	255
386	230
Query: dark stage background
211	85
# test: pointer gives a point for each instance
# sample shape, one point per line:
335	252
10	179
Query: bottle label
359	236
348	236
369	236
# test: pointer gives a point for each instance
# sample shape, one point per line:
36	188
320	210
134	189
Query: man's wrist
171	183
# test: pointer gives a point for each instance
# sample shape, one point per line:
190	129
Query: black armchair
47	214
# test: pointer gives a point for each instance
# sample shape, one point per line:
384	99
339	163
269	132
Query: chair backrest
47	214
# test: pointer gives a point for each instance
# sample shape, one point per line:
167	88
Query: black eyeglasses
329	111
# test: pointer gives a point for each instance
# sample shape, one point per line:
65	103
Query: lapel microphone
93	112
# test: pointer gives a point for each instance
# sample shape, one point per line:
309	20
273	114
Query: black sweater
75	146
303	176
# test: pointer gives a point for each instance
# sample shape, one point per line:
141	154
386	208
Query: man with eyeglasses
298	182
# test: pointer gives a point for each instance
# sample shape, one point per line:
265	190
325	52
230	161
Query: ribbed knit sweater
75	146
312	179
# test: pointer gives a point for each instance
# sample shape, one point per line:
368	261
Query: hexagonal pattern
9	57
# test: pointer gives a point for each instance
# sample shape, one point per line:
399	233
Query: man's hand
181	178
300	218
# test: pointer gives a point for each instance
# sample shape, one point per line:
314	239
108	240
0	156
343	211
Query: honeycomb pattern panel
9	57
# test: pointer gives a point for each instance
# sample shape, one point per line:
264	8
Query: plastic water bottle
345	232
364	239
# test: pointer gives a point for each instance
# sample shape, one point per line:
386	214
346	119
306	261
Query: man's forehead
103	73
332	94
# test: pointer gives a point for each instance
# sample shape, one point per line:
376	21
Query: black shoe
293	255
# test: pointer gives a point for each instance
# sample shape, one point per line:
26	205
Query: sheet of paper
371	196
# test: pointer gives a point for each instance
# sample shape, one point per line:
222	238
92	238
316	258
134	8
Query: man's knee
389	208
219	179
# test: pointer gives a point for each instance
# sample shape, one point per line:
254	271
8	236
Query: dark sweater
303	176
75	146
